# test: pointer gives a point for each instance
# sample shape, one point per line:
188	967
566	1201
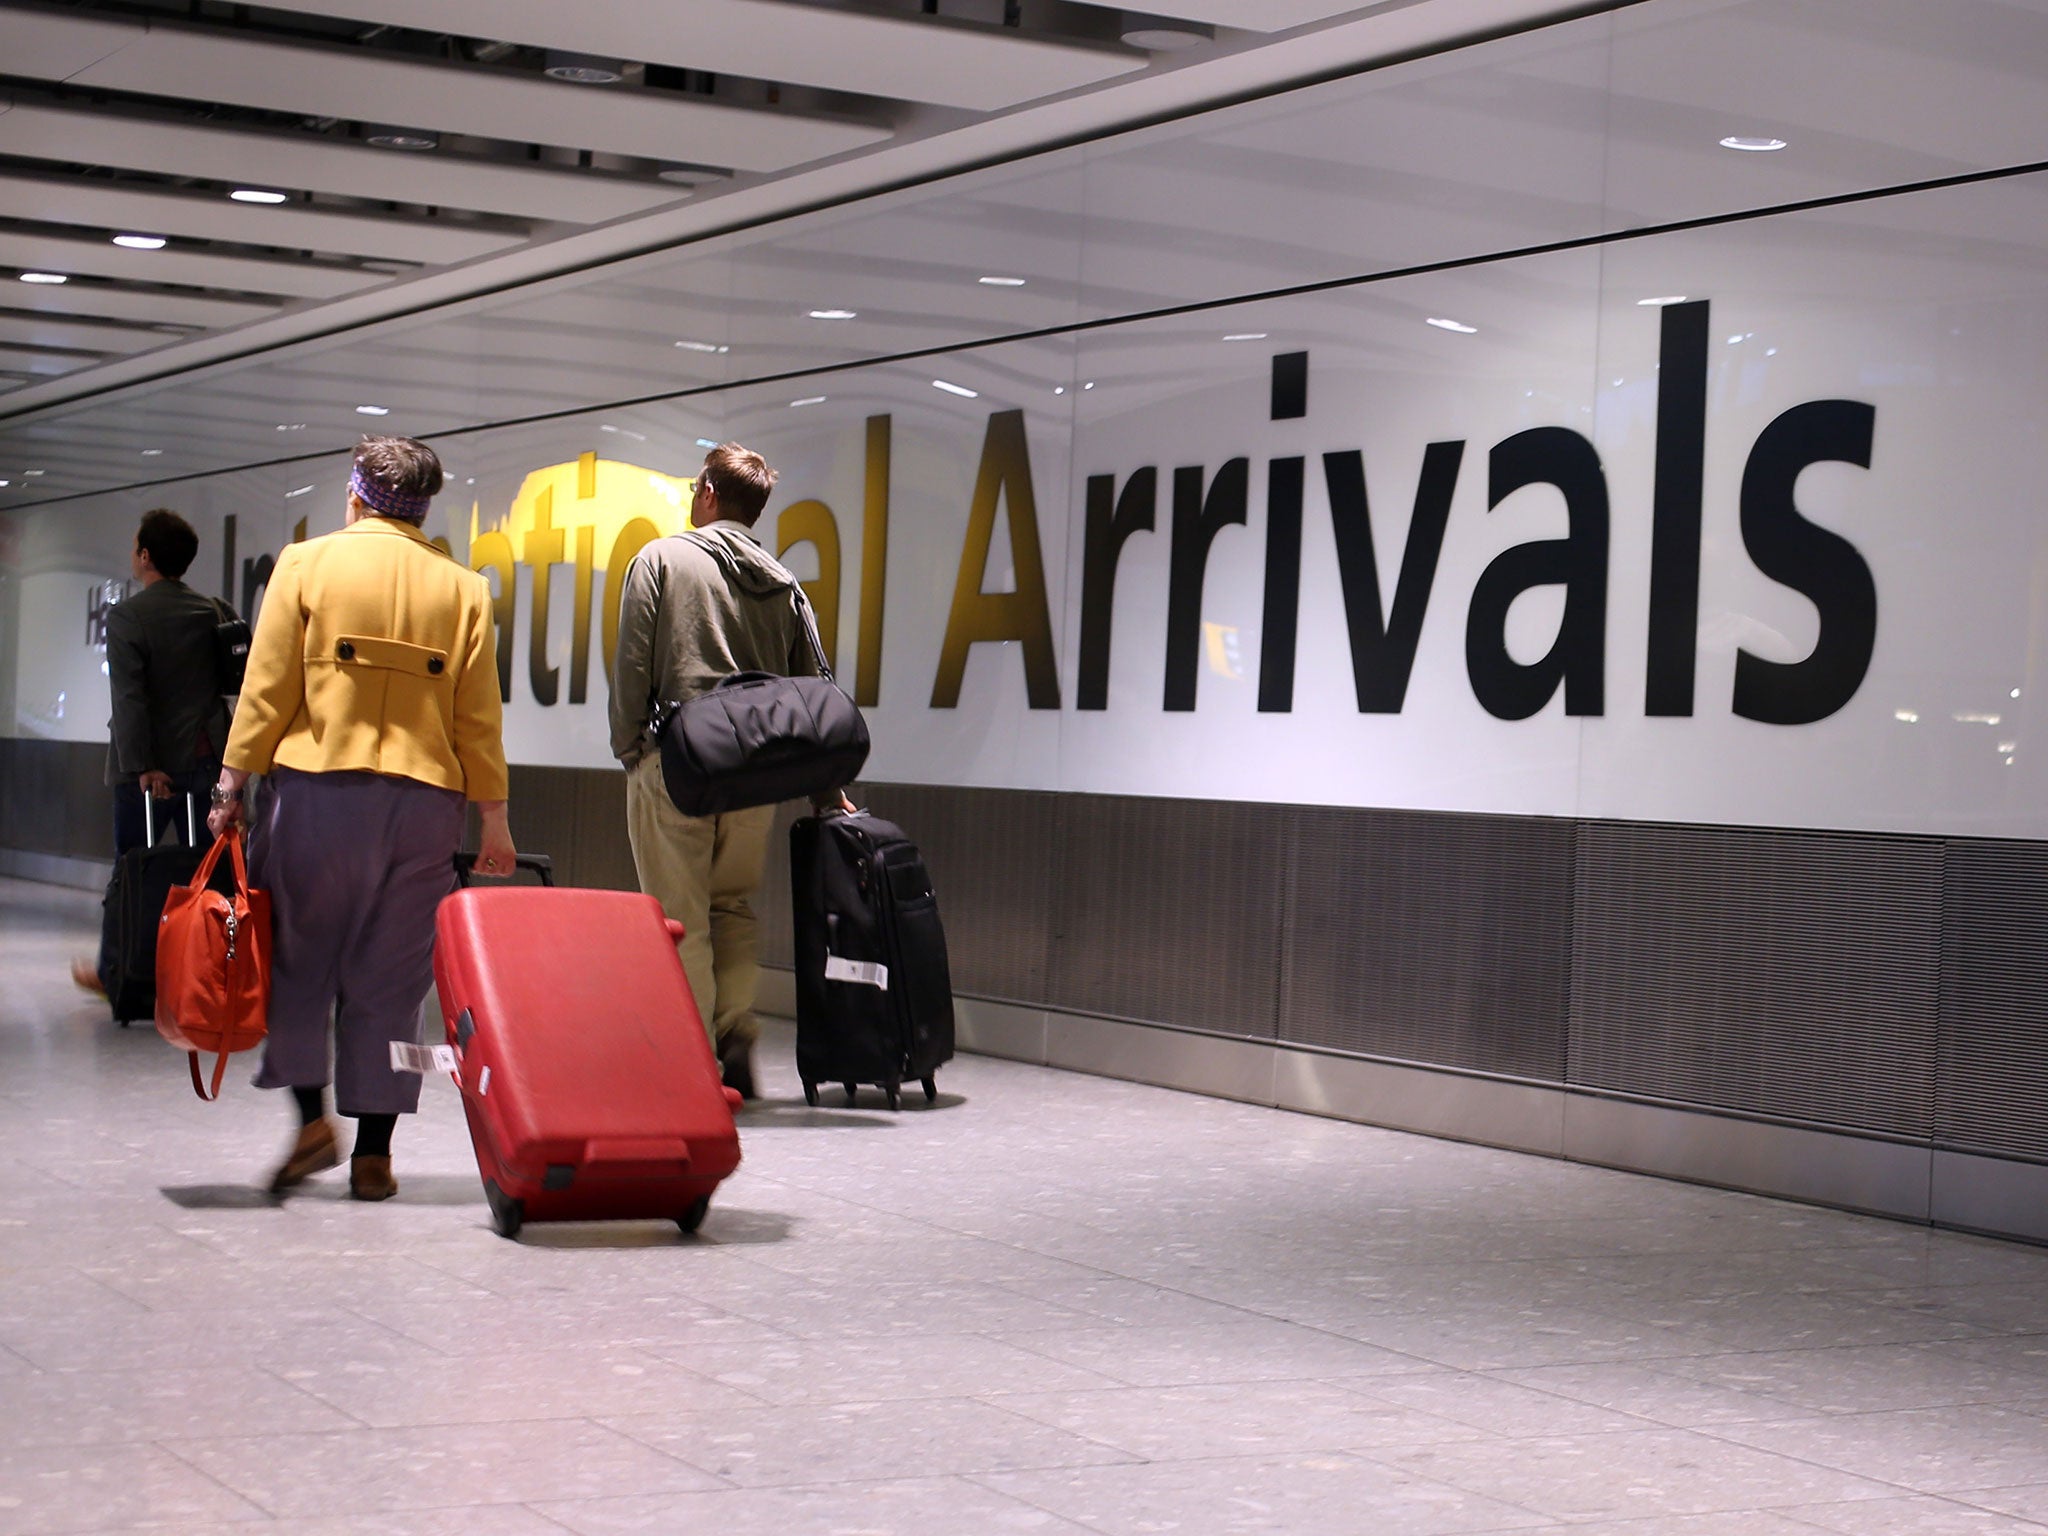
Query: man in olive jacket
170	722
690	614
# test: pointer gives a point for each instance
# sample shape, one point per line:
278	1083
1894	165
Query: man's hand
156	784
834	803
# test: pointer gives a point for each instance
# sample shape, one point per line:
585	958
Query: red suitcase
591	1090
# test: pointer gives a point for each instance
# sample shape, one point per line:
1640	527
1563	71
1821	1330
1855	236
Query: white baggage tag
867	973
422	1058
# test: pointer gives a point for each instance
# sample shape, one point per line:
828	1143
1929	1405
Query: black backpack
230	648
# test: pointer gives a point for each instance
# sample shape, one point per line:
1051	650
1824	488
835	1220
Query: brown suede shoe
316	1149
369	1178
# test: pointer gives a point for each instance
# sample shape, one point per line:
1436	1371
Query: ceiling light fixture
1246	336
702	346
834	314
705	442
957	389
256	195
141	242
302	490
584	69
1161	34
31	474
807	400
688	175
291	426
386	137
1660	302
1452	325
1000	282
1751	145
152	453
373	410
44	277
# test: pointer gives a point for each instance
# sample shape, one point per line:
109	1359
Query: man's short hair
743	480
409	469
168	540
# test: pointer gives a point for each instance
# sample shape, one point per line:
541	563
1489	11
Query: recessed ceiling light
702	346
302	490
4	484
956	389
1000	282
688	175
30	474
291	426
44	277
807	400
1059	389
833	314
140	242
1165	35
1246	336
1739	337
400	138
1451	325
1754	146
373	410
1089	385
1661	301
152	453
705	442
583	69
256	195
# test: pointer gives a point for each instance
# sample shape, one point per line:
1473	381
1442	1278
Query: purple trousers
355	864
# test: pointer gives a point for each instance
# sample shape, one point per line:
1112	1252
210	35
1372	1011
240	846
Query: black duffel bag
757	739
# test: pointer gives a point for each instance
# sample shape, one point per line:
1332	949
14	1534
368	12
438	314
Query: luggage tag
424	1059
867	973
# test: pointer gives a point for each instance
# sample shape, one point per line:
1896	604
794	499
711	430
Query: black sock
311	1104
373	1135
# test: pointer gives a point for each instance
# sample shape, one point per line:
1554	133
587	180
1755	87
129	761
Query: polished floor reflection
1050	1304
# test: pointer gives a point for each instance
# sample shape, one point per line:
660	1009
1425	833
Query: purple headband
382	499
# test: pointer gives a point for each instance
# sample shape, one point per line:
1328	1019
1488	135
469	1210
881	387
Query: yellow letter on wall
812	522
1005	476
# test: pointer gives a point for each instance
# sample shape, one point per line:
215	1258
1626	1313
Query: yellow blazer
374	651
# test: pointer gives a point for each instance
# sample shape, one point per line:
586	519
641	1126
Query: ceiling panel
310	164
81	335
97	258
911	59
1257	15
133	304
144	209
23	360
361	85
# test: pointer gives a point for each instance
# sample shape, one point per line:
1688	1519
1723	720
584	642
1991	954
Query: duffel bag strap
220	1070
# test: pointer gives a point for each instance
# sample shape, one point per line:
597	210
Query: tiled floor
1052	1304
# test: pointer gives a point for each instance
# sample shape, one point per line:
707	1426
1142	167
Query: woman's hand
496	856
227	798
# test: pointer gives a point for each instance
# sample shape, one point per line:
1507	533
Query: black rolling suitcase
874	999
135	897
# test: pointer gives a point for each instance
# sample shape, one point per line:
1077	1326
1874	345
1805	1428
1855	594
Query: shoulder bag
213	966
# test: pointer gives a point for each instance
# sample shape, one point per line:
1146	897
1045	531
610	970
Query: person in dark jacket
170	722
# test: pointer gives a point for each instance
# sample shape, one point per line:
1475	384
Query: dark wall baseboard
1874	984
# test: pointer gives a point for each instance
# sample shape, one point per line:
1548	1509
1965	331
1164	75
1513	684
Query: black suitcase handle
539	863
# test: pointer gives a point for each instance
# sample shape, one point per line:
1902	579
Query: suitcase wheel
931	1091
852	1094
895	1095
507	1214
693	1218
810	1093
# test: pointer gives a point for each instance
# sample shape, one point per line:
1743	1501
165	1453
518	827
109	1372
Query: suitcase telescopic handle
539	863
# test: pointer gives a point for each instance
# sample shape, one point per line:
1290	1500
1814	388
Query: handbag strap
220	1070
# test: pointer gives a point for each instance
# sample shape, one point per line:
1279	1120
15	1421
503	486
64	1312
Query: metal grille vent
1431	938
1994	1000
1170	910
1782	973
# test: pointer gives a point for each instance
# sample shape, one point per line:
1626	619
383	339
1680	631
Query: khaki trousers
703	870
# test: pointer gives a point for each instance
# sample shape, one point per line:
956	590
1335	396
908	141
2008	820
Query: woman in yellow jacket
371	706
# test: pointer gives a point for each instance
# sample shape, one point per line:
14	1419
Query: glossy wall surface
1450	566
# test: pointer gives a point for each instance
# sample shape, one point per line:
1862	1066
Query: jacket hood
744	561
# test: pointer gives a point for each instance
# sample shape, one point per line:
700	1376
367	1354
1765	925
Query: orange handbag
213	966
